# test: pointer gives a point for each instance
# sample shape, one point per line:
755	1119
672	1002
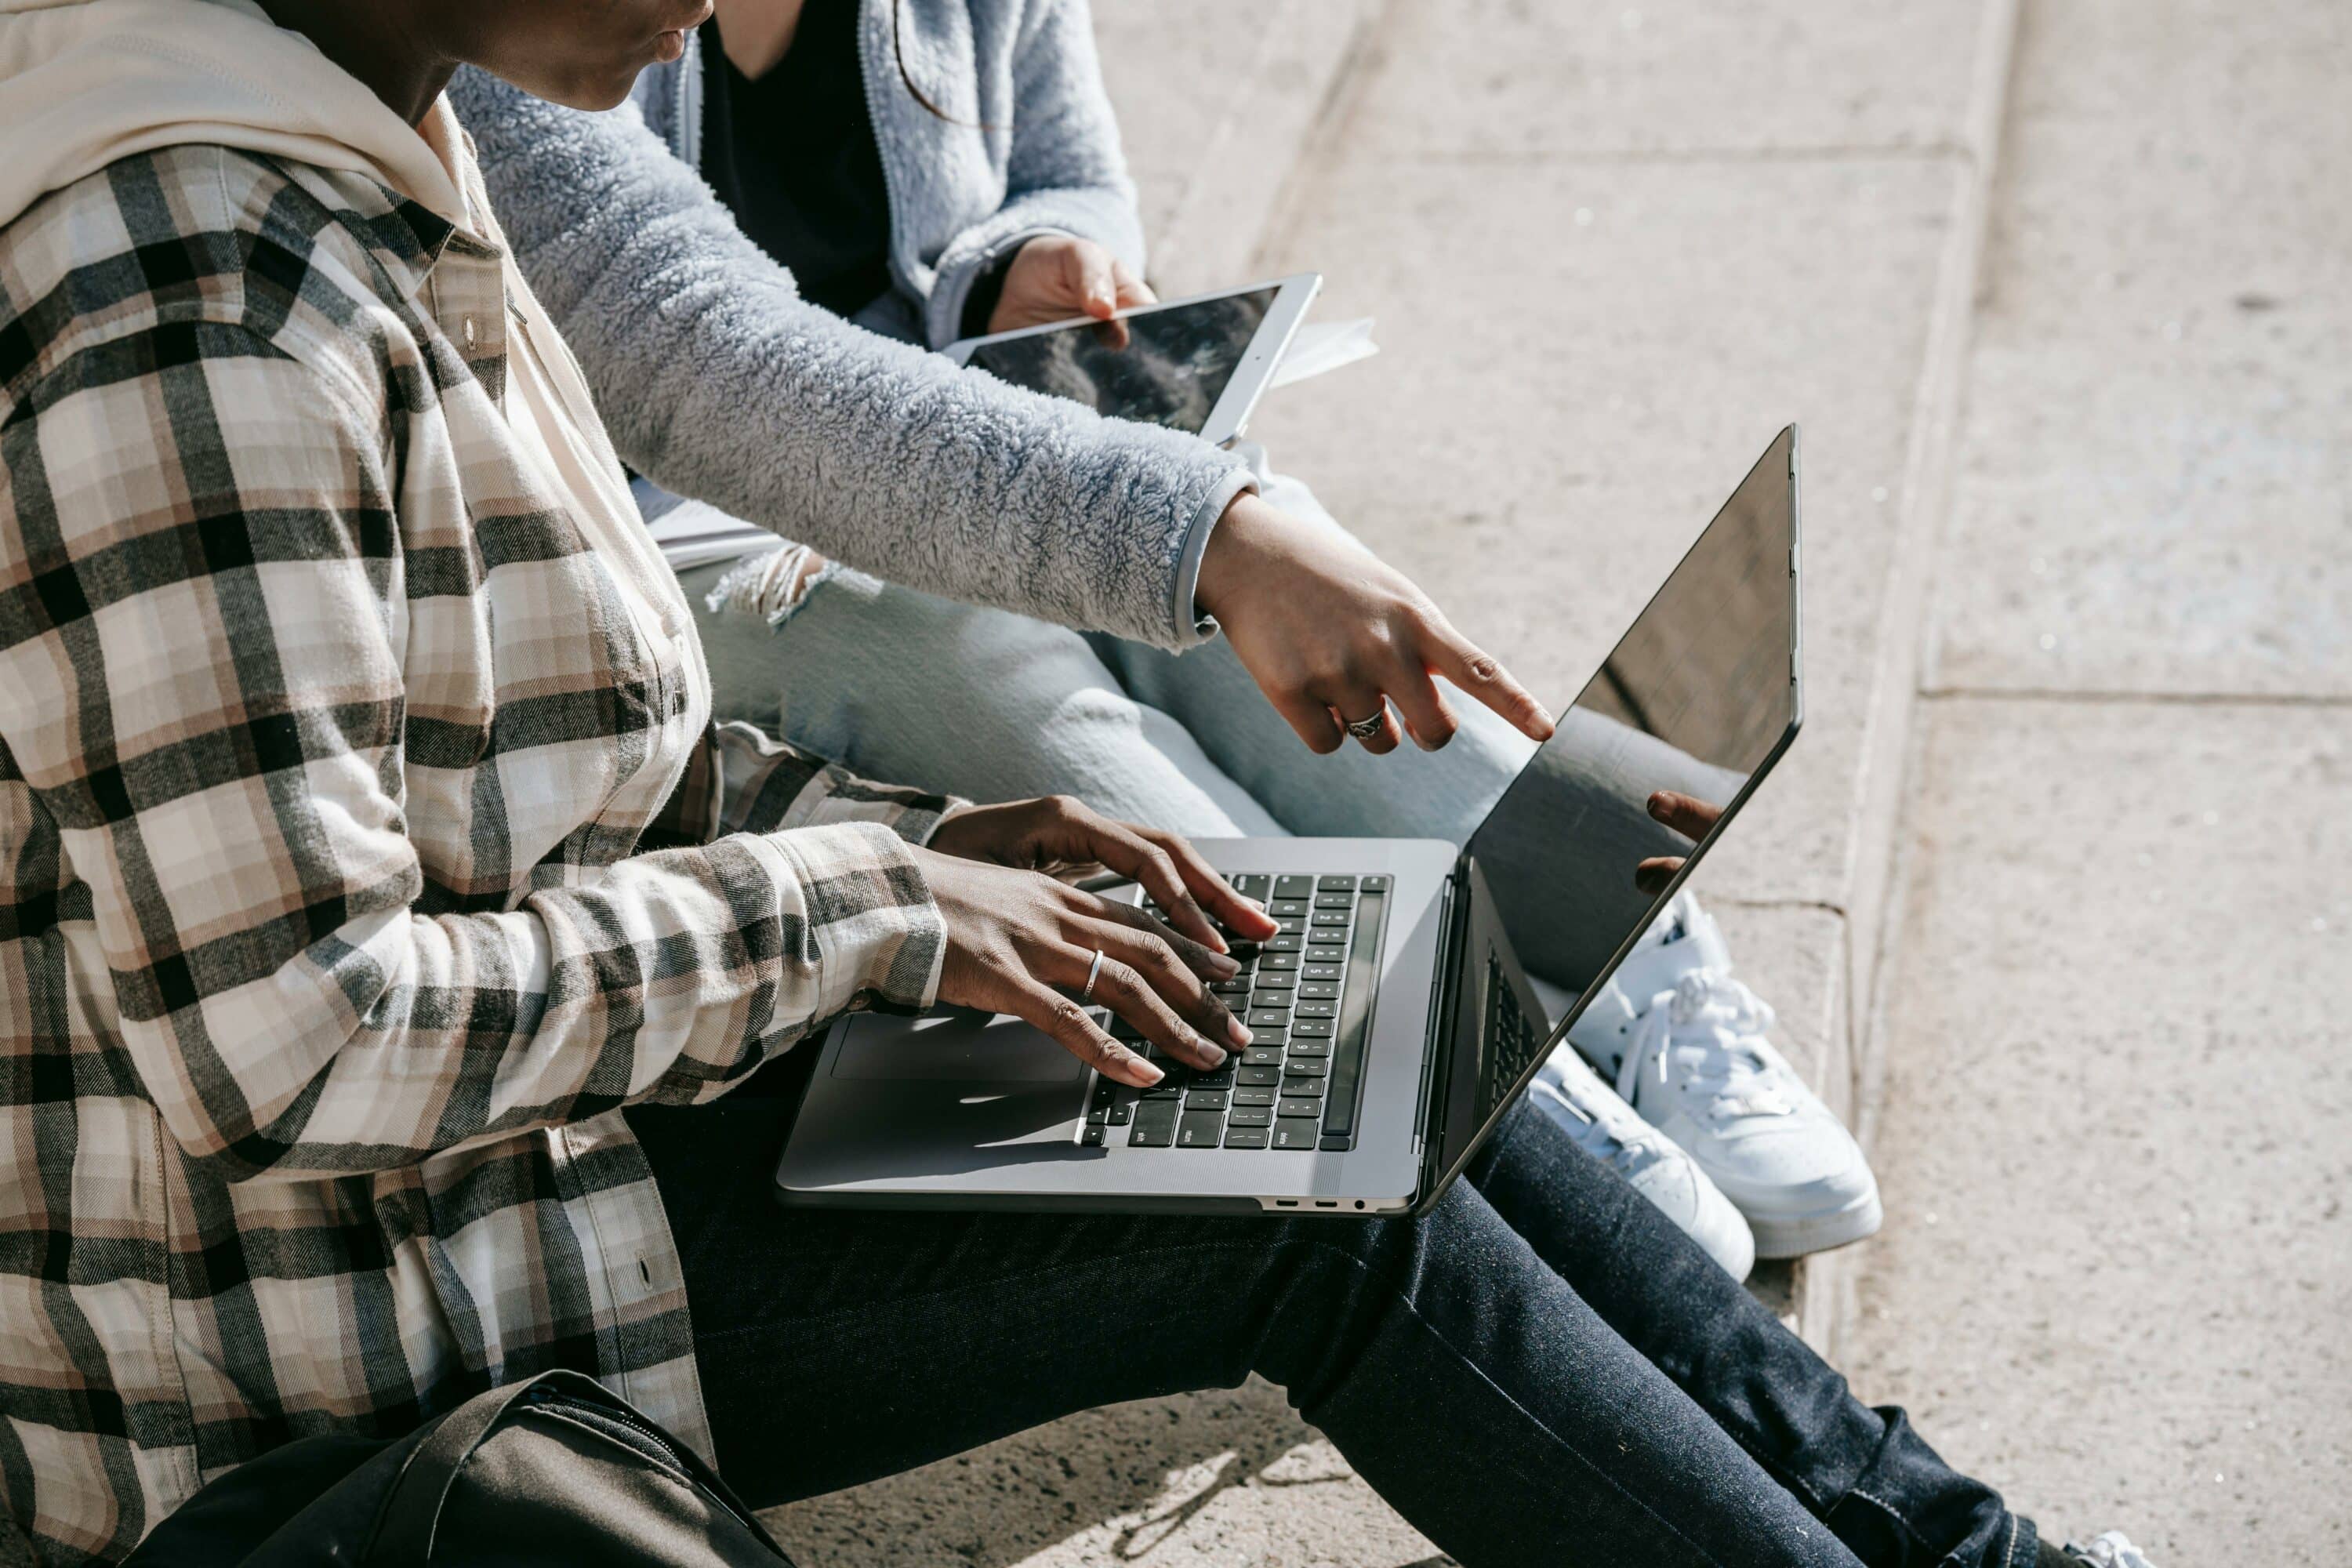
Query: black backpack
555	1471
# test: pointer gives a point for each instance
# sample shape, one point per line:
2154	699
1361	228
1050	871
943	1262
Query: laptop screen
1697	699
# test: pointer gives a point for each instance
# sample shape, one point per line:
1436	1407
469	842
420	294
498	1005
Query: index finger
1245	916
1146	858
1482	675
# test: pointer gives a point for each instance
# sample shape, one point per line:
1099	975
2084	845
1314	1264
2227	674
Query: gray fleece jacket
718	381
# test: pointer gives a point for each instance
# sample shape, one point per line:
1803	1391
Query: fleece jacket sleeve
718	381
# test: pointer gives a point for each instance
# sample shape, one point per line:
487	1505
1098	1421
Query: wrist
1237	546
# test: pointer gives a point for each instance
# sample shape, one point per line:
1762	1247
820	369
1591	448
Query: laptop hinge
1437	1055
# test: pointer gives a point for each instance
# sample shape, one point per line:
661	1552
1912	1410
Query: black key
1335	884
1269	1039
1290	925
1262	1056
1251	885
1201	1129
1278	980
1093	1139
1166	1088
1322	971
1273	962
1373	884
1244	1137
1284	908
1273	996
1104	1091
1155	1125
1319	1009
1301	1089
1294	886
1305	1066
1311	1029
1286	941
1337	1140
1320	991
1356	1016
1294	1134
1256	1076
1246	1097
1204	1100
1304	1051
1267	1018
1332	917
1122	1112
1239	986
1310	1108
1326	942
1250	1116
1243	953
1335	901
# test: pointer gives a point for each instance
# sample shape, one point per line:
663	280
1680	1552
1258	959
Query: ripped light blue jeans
902	687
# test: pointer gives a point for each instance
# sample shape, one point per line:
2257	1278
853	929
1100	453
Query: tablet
1196	363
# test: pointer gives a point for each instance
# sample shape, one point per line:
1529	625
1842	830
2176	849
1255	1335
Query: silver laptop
1394	1015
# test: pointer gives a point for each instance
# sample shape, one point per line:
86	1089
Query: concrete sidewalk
2052	894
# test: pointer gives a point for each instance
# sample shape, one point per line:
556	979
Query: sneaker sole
1796	1235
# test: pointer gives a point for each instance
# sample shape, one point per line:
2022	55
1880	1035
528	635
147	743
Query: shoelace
1615	1138
1714	1027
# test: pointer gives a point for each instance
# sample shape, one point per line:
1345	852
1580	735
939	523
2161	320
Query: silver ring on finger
1094	972
1366	729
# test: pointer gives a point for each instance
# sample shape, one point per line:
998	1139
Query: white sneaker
1686	1043
1604	1126
2111	1549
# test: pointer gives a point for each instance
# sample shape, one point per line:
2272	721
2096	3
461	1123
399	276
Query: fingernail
1236	1031
1217	943
1151	1074
1212	1056
1226	966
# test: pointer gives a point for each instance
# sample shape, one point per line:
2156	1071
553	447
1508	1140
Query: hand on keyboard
1058	835
1019	942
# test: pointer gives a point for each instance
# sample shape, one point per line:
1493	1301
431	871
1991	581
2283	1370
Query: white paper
1322	346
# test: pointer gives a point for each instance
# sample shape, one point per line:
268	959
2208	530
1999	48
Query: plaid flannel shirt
327	950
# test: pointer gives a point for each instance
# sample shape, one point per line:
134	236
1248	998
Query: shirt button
468	325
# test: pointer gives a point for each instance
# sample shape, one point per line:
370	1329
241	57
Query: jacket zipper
866	77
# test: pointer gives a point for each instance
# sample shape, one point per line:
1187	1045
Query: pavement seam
1826	152
2062	696
1825	1288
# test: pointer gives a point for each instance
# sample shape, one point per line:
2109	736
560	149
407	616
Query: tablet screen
1172	372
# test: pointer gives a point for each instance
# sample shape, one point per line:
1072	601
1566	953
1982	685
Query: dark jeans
1543	1370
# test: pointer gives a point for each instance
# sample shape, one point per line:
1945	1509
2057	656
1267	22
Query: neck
756	33
370	42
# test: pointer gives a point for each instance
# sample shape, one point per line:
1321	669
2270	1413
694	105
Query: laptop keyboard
1306	993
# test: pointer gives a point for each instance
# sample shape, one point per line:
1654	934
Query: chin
592	91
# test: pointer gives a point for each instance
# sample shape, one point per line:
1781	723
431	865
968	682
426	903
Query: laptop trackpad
958	1044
